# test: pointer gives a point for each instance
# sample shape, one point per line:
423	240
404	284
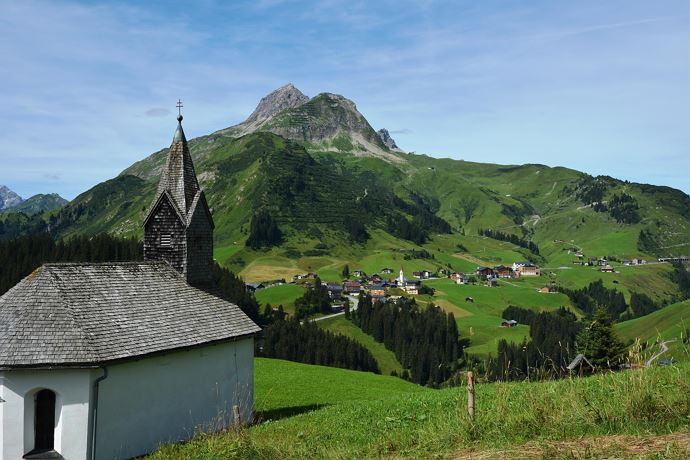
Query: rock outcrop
8	199
386	138
285	97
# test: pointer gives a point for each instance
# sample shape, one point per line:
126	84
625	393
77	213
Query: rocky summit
8	198
285	97
386	138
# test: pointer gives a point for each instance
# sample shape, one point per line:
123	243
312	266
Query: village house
411	287
509	323
607	269
335	290
526	269
491	281
377	290
548	289
484	272
359	274
386	271
502	271
352	287
111	360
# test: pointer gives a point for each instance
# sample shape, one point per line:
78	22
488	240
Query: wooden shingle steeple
178	227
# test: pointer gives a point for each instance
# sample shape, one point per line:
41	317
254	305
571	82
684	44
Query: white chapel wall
167	398
73	391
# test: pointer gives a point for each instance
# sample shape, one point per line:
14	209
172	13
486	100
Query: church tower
178	227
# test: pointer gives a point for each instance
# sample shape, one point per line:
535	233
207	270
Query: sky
88	88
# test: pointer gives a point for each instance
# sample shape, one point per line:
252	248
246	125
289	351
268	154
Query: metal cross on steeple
179	107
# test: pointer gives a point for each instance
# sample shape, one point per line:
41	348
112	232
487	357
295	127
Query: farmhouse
411	287
502	271
377	290
526	269
509	323
607	269
484	271
110	360
387	271
352	287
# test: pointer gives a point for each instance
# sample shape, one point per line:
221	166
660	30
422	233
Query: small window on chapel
166	240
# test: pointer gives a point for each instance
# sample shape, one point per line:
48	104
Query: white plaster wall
73	393
167	398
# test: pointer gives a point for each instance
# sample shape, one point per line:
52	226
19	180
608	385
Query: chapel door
44	422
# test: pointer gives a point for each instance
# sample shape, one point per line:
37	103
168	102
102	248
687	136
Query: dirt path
664	349
668	446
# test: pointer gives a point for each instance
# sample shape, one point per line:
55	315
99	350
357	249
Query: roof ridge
126	262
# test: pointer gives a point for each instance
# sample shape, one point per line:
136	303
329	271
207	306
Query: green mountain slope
317	165
39	203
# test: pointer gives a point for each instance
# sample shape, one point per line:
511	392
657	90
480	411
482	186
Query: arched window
44	421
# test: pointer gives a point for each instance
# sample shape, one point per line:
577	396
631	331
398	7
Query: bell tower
178	227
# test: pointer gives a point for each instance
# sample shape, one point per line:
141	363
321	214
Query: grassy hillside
315	412
385	358
671	324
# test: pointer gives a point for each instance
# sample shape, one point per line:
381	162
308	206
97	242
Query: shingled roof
89	314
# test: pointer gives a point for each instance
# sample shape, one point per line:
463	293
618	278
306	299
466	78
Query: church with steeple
111	360
178	227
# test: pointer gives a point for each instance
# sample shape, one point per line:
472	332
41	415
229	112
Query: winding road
664	349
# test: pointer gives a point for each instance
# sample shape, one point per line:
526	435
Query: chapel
110	360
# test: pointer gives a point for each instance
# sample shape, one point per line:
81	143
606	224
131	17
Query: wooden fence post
470	395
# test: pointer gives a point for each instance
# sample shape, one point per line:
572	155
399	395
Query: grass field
481	320
668	324
316	412
384	357
284	295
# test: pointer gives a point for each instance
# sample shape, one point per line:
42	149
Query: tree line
308	343
425	340
511	238
314	300
596	295
550	349
555	340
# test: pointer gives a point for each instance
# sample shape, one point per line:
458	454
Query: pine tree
599	342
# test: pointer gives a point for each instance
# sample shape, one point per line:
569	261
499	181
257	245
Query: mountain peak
285	97
8	198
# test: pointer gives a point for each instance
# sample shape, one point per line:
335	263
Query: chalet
638	261
526	269
377	290
484	271
352	287
548	289
443	272
509	323
335	290
386	271
492	281
411	287
375	278
427	274
253	287
579	254
417	274
359	274
607	269
311	276
502	271
603	262
110	360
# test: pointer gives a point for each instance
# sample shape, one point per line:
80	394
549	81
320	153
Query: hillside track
668	446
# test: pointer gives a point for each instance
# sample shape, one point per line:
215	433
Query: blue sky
87	88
